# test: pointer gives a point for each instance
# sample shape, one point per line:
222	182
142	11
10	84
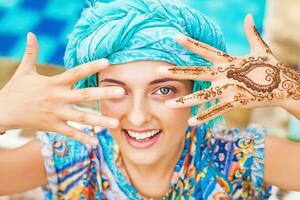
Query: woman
151	153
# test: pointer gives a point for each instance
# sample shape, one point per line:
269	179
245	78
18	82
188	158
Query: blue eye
164	91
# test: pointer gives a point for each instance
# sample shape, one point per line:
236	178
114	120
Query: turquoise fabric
132	30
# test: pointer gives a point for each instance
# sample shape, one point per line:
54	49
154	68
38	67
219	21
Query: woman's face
148	130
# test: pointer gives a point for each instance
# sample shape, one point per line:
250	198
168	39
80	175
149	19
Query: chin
150	157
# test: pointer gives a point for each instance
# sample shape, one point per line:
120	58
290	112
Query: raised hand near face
255	80
30	100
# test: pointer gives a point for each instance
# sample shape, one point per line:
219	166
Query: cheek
113	109
170	117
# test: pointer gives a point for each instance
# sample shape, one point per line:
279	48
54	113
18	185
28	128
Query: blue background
53	20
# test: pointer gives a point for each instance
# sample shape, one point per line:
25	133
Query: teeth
142	136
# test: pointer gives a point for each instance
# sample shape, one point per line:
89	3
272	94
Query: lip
141	144
141	131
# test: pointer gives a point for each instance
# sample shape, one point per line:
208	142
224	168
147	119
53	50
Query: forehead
134	72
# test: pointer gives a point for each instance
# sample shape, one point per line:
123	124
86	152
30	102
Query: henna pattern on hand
218	52
217	111
280	82
195	71
261	41
240	74
207	94
291	84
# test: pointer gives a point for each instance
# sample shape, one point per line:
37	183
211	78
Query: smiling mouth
142	139
142	136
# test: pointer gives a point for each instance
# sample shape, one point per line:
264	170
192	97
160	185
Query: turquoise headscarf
133	30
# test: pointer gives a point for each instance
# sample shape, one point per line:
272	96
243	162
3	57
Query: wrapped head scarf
133	30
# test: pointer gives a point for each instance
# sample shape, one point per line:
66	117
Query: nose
139	114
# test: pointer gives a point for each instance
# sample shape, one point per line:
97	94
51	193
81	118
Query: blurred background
53	20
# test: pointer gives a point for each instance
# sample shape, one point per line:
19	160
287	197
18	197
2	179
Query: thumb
29	60
255	40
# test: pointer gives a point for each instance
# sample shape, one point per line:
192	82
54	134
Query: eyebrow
164	80
109	80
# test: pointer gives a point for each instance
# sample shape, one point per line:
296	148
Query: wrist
293	107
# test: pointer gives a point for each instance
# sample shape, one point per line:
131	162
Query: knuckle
76	73
85	94
27	52
48	111
49	98
29	49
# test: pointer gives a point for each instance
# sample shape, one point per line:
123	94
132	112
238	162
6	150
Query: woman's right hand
30	100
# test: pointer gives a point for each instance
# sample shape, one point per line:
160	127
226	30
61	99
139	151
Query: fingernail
180	38
93	141
171	103
251	21
163	70
29	37
103	62
119	92
113	123
29	34
192	122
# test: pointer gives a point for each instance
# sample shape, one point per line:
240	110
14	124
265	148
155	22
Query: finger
29	60
213	112
255	40
199	97
209	53
88	118
76	134
189	72
92	94
82	71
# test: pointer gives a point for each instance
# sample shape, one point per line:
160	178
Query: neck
153	180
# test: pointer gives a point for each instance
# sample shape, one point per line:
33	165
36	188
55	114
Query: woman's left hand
255	80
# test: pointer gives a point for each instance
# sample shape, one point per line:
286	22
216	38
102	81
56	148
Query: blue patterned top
215	164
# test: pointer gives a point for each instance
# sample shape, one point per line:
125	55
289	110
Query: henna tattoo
195	71
261	41
292	82
292	89
292	74
282	81
218	52
240	74
242	99
219	109
207	94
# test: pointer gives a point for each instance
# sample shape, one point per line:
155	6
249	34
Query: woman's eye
164	91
